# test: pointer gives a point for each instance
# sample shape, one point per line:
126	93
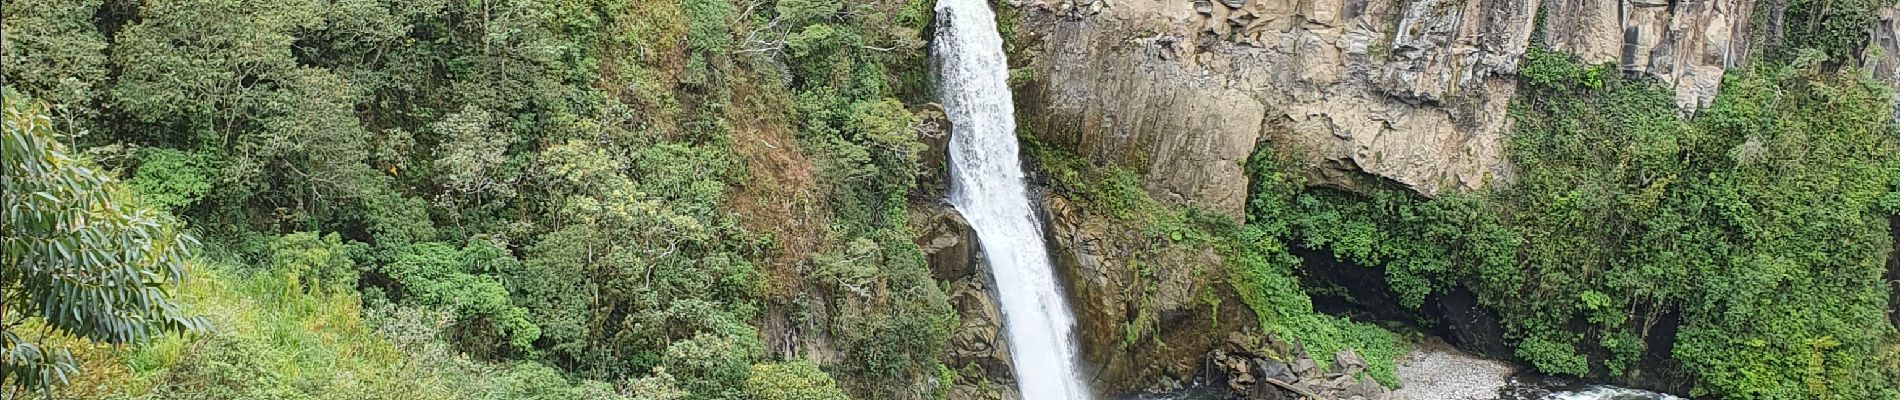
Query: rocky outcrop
1893	273
978	348
1685	44
1412	91
1885	35
1252	368
1145	307
933	174
1183	90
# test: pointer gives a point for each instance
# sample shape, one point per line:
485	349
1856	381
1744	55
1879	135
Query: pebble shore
1435	371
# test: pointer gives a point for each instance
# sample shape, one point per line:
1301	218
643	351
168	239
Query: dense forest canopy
581	185
534	199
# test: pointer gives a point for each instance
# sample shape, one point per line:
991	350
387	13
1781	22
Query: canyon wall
1414	92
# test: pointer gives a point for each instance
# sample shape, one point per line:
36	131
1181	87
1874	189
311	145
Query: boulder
1305	367
1249	372
1270	368
1368	389
1348	362
949	244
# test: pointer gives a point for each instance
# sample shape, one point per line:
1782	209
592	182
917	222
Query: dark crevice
1345	288
1893	273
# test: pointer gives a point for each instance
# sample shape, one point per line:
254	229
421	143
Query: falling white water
987	186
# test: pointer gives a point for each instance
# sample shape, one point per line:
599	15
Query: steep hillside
724	199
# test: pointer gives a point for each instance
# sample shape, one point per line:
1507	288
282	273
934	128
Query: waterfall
988	187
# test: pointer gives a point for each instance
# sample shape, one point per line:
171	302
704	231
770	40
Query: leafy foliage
792	380
54	51
437	275
1758	223
171	179
314	262
1837	28
82	257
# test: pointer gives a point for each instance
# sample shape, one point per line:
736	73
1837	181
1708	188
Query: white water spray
1609	393
987	186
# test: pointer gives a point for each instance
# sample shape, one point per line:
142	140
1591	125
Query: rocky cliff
1684	44
1886	36
1415	92
1411	91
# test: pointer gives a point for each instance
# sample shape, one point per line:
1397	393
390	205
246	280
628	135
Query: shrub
312	262
792	380
171	179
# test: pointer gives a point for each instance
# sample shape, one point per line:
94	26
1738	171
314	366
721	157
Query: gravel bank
1436	371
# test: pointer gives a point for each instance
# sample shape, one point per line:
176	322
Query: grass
273	339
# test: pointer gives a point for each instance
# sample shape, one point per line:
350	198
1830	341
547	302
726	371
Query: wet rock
949	244
1140	303
978	343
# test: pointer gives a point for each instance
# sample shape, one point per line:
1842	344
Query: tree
82	257
53	50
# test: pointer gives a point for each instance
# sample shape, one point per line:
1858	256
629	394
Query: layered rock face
1886	36
1685	44
1184	90
1416	92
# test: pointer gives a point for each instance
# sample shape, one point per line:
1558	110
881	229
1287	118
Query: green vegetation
1758	223
495	197
707	199
82	258
795	380
273	341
